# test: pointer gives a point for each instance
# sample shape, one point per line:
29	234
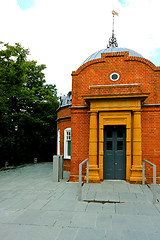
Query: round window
114	76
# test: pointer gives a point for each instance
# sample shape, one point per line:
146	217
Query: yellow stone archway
115	110
115	118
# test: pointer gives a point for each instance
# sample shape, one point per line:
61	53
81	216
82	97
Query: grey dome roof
97	55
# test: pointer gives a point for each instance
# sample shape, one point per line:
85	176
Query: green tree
28	102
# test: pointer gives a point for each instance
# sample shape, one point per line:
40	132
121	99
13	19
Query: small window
120	145
67	143
109	145
120	133
114	76
109	133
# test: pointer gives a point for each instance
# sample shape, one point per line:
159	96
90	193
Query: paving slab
100	196
94	207
11	216
69	196
81	206
95	187
36	217
90	234
142	197
153	236
107	186
126	208
120	187
84	220
120	222
127	197
109	208
134	188
90	195
21	204
8	203
33	233
33	207
141	223
7	231
69	206
154	226
38	204
132	235
158	206
5	213
114	235
55	205
67	234
104	221
147	209
64	219
113	197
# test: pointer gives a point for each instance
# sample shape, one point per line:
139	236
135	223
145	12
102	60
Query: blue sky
63	33
155	56
25	4
124	3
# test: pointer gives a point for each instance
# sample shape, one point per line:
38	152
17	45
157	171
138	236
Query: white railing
80	177
154	178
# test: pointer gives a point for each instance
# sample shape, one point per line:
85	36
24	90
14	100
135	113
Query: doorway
114	160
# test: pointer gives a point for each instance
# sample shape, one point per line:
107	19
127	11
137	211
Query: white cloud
62	34
139	21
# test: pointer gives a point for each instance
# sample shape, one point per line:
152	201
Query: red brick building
112	117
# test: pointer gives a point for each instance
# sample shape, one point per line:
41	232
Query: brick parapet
131	70
64	112
116	54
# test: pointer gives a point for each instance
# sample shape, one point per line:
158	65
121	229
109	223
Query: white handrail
154	178
80	170
80	177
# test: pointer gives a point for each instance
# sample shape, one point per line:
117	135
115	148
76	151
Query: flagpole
113	28
113	40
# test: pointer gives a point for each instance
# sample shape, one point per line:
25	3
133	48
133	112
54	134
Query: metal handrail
80	177
80	170
154	178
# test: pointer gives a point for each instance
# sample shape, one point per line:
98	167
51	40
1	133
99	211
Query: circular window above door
114	76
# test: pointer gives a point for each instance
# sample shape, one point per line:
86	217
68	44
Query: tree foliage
28	102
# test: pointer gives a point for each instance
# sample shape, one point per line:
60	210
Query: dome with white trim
97	55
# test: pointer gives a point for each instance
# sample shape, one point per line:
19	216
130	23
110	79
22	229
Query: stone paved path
33	207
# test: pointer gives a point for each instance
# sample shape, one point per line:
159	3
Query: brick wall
64	112
97	72
151	139
80	140
132	70
63	122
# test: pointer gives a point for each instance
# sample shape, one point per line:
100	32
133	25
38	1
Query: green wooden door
114	162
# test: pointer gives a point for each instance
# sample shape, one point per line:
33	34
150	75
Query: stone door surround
117	110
